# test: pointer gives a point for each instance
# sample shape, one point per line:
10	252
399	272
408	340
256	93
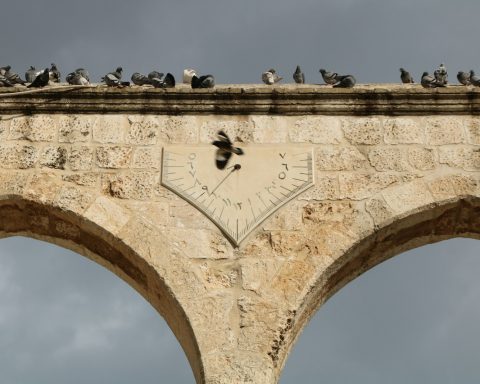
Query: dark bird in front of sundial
225	150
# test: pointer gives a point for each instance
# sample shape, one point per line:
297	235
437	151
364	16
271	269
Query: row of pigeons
39	79
271	77
440	78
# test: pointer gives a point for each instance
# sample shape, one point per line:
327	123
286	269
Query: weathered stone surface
473	130
132	185
237	129
110	129
325	188
444	130
87	179
317	130
13	183
366	130
33	128
143	130
450	186
340	159
147	158
379	210
404	131
107	214
422	158
114	156
53	157
467	158
175	130
269	129
74	199
16	155
359	186
81	158
75	129
388	159
408	196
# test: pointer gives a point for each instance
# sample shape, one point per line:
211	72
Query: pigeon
441	75
430	82
4	82
188	74
140	79
155	75
31	74
406	77
54	74
12	77
474	80
463	77
41	80
347	81
299	76
78	77
167	82
225	150
113	79
329	77
206	81
4	70
270	77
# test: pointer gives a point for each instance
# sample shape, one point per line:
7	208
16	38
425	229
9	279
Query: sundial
246	191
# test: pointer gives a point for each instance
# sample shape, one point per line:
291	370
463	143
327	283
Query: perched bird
167	82
31	74
346	81
140	79
206	81
441	75
225	150
406	77
271	77
41	80
83	73
430	82
329	77
299	76
54	74
188	74
78	77
155	75
4	82
463	77
474	80
113	79
13	77
3	70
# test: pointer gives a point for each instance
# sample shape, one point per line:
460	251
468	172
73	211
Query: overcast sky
411	320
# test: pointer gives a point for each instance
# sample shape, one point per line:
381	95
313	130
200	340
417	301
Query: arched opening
440	220
413	318
65	319
62	225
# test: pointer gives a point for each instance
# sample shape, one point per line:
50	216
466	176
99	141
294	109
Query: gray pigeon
78	77
13	77
406	77
140	79
54	74
441	75
430	82
83	73
4	82
155	75
31	74
329	77
113	79
3	70
299	76
463	77
41	80
346	81
167	82
271	77
474	80
206	81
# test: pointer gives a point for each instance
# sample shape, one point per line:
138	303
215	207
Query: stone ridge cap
242	99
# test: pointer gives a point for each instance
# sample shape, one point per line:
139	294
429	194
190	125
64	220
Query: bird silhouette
225	150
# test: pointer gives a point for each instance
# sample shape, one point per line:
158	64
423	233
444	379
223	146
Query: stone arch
404	221
128	246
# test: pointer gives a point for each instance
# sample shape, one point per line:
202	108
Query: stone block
359	186
13	183
43	187
238	130
178	130
147	158
269	129
363	131
379	210
326	188
75	129
408	197
130	185
113	156
443	130
73	199
451	186
88	179
53	157
105	213
317	130
402	130
333	158
143	130
33	128
467	158
388	159
81	158
16	155
422	159
472	126
110	129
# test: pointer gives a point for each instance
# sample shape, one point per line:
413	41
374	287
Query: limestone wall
91	182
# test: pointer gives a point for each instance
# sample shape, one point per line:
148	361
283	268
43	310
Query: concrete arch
415	224
67	217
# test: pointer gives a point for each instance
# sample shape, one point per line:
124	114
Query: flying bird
406	77
463	77
299	76
167	82
113	79
346	81
225	150
140	79
206	81
271	77
441	75
329	77
41	80
474	80
430	82
54	74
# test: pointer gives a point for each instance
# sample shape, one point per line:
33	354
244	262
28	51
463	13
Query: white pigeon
188	73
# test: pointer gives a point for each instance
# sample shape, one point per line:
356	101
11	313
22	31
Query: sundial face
243	194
